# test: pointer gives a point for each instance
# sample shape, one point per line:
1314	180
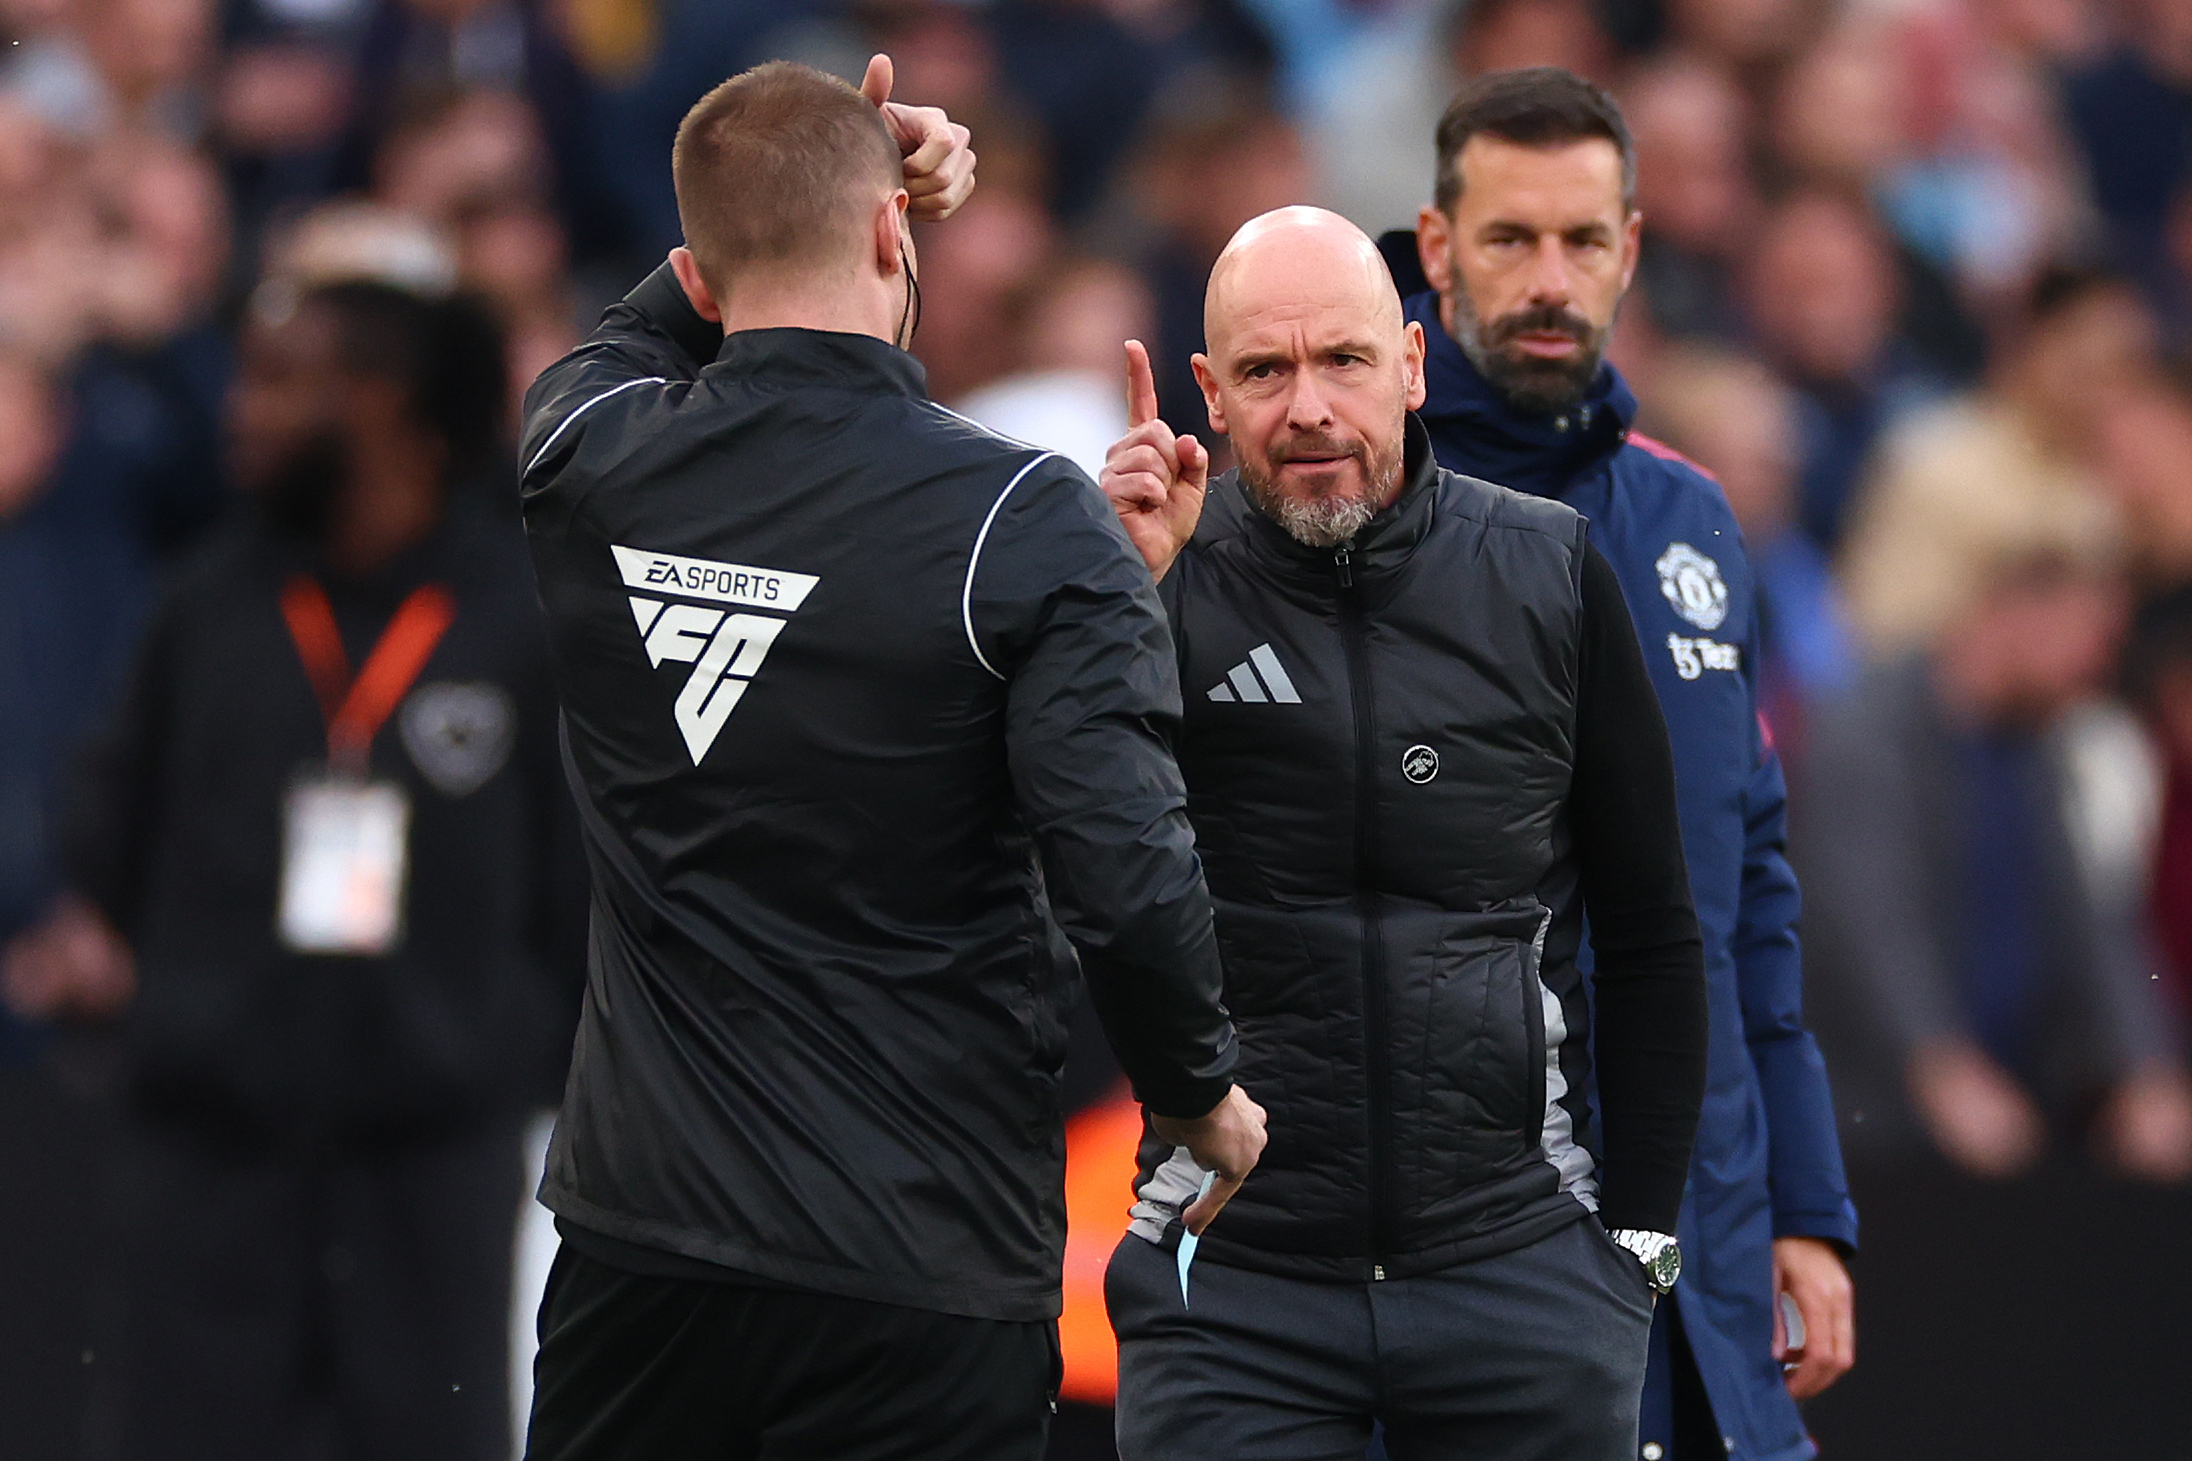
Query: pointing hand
1155	480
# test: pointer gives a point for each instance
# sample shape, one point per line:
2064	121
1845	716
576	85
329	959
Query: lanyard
355	709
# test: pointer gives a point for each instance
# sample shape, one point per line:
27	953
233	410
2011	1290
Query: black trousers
352	1301
639	1368
1534	1355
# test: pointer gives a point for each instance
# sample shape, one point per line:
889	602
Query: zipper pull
1343	559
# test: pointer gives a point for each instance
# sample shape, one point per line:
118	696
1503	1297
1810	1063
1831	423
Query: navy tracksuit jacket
1768	1163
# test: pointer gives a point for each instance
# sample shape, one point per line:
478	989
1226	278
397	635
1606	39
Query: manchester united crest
1693	585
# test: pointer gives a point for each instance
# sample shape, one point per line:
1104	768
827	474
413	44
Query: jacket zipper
1366	899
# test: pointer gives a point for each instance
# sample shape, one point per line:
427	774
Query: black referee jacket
858	695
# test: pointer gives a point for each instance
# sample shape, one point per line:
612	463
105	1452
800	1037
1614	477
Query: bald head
1311	368
1296	259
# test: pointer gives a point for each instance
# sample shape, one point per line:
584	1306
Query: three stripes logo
1258	680
725	648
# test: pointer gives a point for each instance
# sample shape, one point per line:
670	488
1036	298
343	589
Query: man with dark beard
328	820
1420	745
1527	250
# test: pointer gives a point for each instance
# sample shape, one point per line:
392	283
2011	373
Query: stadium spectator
1822	295
112	381
469	149
410	54
1839	119
1695	191
2143	448
110	66
1983	997
1400	71
1216	157
1091	73
475	167
2022	450
2125	104
514	254
1506	35
1065	394
1750	36
974	277
1981	994
355	922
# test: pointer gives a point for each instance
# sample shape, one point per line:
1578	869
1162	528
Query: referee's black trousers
640	1368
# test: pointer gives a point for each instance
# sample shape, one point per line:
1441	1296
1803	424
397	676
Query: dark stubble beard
1529	382
1330	518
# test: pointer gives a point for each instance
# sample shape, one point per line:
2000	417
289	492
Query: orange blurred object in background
1100	1146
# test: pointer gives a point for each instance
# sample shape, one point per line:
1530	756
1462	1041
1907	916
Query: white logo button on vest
1693	586
724	649
1419	764
1258	680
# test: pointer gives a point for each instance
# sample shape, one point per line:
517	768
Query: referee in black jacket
863	704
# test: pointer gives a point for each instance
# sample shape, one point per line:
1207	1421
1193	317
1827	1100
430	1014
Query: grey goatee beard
1527	382
1328	519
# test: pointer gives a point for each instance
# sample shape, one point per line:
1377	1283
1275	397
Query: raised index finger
1141	386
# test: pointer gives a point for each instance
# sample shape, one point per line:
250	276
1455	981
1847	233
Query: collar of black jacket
794	357
1530	451
1385	541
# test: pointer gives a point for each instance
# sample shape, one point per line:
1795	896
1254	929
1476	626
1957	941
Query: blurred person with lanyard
867	712
1420	748
327	823
1526	254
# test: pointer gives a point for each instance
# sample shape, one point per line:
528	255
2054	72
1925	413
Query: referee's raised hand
939	159
1226	1140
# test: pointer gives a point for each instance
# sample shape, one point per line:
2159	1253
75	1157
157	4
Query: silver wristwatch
1660	1254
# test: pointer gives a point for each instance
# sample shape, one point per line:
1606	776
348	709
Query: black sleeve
1062	608
652	337
657	309
1651	1031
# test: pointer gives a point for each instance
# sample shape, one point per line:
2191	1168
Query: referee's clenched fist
867	712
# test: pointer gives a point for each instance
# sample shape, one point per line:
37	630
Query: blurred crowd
1916	286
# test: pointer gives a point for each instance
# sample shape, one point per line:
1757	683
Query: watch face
1665	1266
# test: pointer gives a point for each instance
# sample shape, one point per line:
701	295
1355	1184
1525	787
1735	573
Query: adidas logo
724	648
1256	680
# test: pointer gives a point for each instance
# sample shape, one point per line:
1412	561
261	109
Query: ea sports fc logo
724	647
1693	585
